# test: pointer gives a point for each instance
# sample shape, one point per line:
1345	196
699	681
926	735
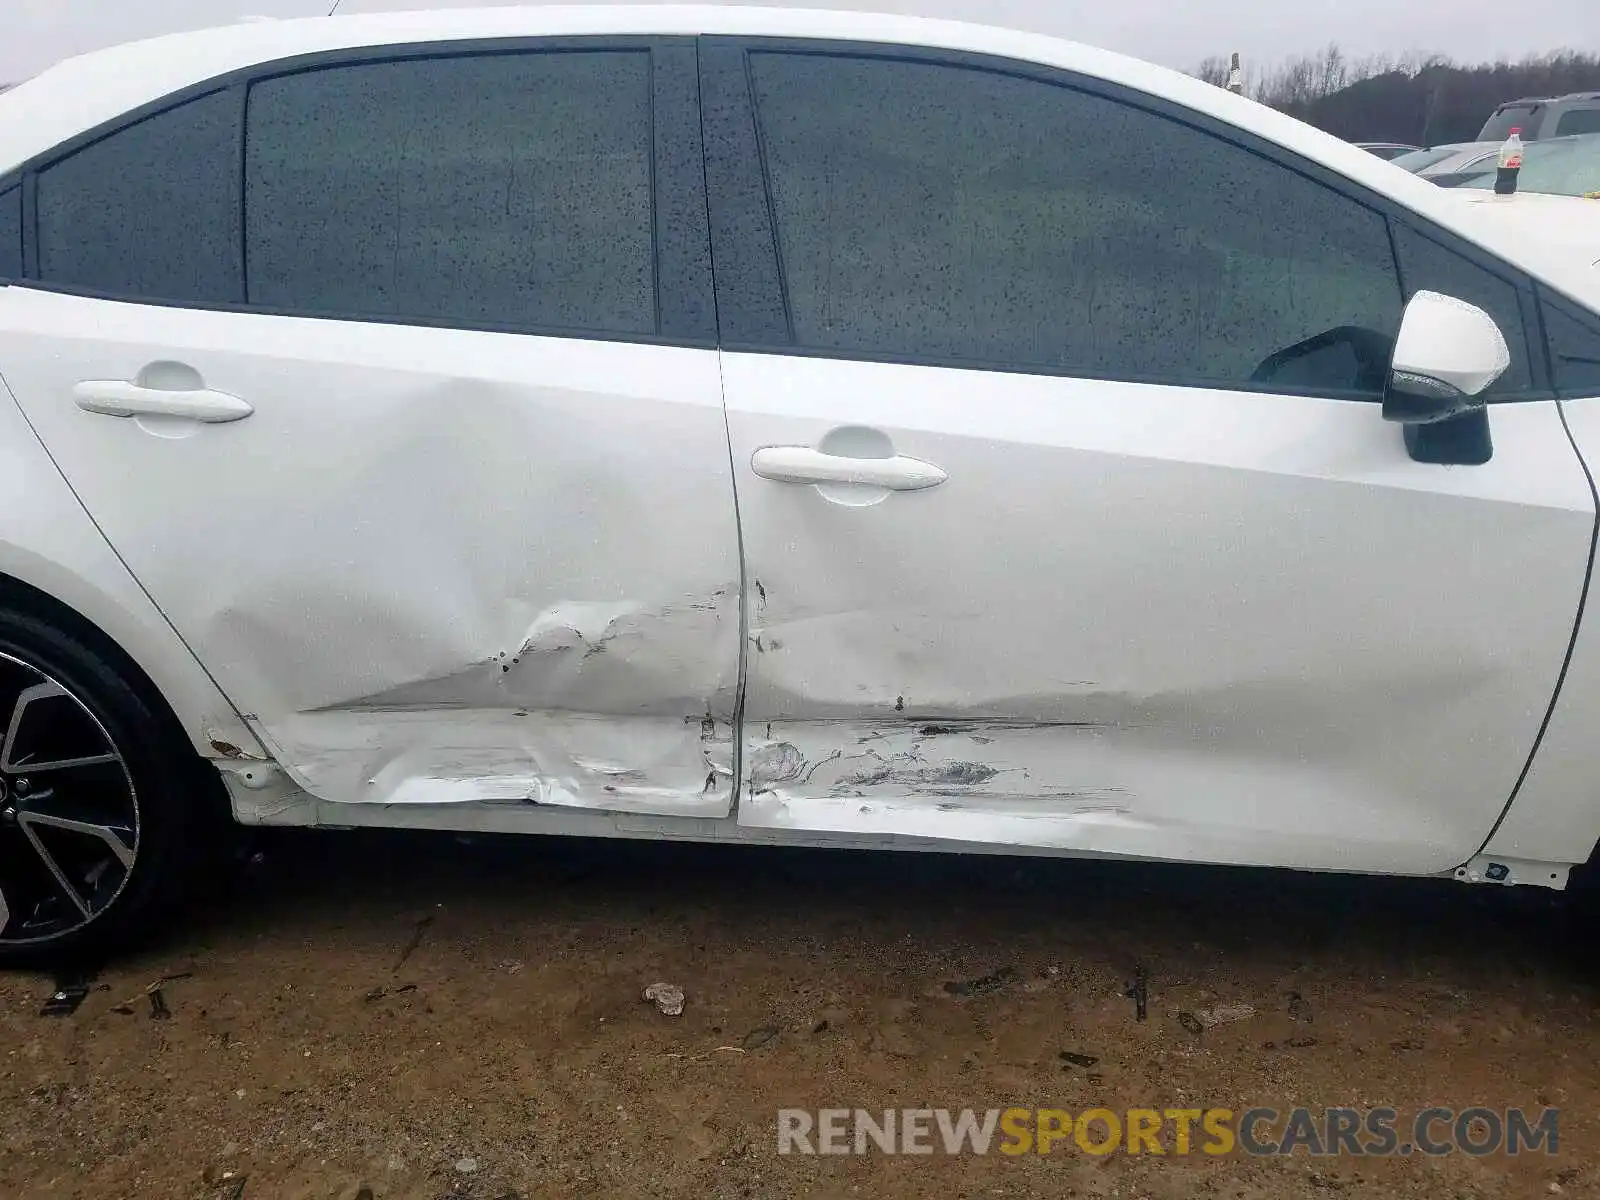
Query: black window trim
685	303
6	198
744	244
1552	300
30	217
240	158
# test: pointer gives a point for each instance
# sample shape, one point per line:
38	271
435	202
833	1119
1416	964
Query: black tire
114	879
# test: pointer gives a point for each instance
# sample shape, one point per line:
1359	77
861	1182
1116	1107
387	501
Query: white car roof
82	92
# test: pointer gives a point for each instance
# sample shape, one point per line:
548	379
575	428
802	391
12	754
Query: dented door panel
434	566
1140	620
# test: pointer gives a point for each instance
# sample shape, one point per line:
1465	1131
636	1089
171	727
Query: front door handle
119	398
802	464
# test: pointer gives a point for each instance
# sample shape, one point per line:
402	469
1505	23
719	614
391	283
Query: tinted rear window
152	211
1498	128
501	190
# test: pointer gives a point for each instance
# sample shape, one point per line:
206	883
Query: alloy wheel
69	814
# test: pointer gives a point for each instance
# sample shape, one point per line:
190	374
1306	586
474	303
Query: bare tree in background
1411	97
1217	70
1213	70
1333	72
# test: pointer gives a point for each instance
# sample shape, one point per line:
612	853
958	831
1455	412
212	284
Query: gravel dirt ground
384	1016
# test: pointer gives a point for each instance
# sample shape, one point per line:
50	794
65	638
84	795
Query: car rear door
1050	542
400	396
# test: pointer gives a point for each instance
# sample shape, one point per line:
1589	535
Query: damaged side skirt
1147	791
671	766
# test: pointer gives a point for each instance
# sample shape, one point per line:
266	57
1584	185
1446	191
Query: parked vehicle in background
743	424
1566	166
1556	116
1387	149
1447	159
1425	156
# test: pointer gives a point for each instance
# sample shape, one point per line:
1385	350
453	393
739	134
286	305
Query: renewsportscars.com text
1263	1132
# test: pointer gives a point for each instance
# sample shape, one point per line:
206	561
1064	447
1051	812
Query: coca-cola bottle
1505	176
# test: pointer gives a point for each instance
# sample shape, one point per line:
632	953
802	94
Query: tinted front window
1574	349
11	233
500	190
970	217
1425	265
152	211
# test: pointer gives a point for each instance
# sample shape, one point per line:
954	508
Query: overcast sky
1177	33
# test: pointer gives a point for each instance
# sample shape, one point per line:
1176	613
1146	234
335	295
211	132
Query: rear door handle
802	464
119	398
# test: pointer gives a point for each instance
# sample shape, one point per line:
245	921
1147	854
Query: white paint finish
1151	791
1192	624
462	755
120	398
275	800
82	92
1450	341
468	525
1566	227
805	464
1556	815
48	541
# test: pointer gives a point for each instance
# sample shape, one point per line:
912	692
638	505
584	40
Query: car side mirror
1447	354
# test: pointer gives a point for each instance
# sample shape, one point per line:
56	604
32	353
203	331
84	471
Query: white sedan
1448	159
767	426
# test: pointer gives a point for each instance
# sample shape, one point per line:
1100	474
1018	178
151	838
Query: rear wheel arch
89	865
19	596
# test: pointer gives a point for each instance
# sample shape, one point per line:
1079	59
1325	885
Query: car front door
401	399
1069	514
